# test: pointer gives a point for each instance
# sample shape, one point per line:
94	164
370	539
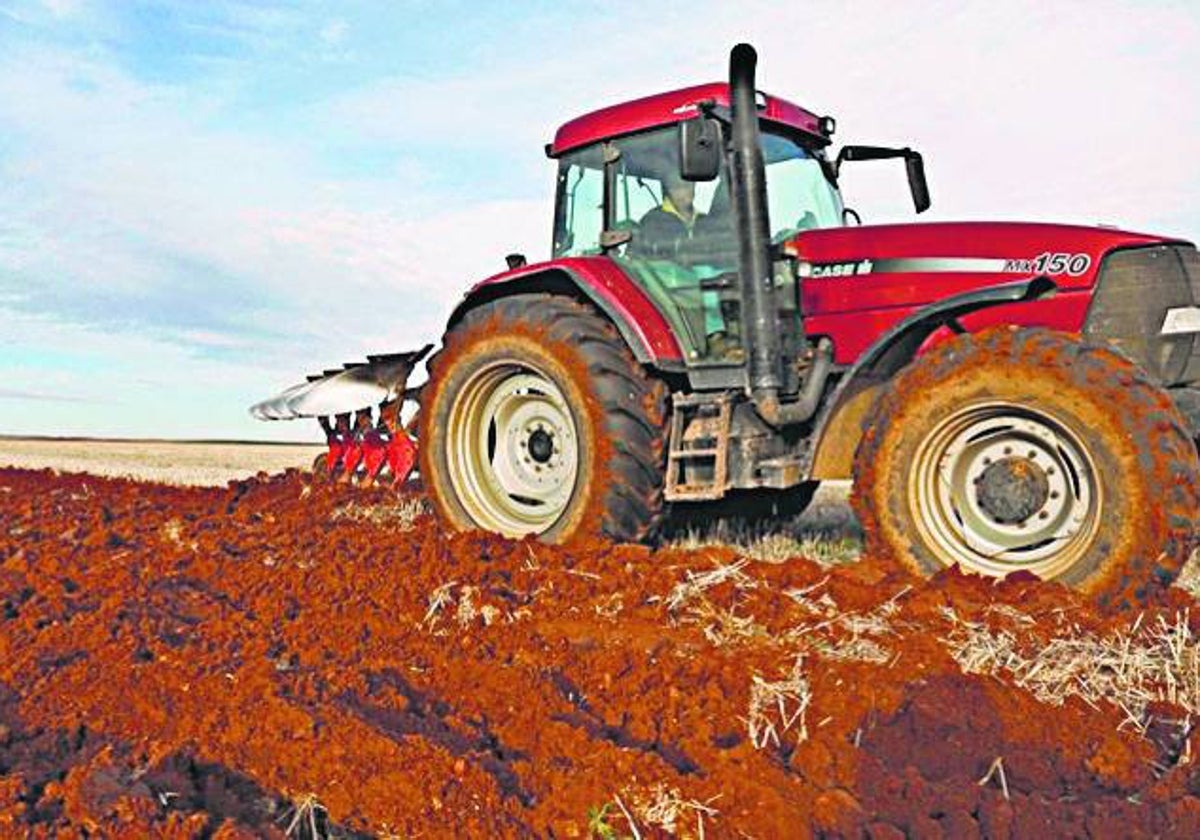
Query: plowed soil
274	658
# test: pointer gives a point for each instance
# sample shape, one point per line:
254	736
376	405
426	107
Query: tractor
1007	397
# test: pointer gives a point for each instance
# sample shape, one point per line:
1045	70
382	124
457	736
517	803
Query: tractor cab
628	190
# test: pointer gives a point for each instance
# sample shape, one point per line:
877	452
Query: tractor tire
1029	450
537	420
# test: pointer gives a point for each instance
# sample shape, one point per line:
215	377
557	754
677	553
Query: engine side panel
858	282
854	332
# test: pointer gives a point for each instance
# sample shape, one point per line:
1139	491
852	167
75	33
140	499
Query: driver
662	229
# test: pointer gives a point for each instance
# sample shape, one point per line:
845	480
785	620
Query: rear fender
842	421
601	283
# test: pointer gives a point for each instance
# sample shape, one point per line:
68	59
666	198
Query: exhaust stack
760	315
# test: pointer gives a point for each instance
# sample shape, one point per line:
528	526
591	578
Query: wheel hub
1012	489
541	445
998	487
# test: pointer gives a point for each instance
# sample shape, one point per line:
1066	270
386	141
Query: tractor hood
856	281
920	263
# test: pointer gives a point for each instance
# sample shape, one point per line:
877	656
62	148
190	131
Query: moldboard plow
358	407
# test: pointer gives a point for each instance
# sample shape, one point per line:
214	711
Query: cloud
33	396
334	32
152	218
65	377
63	8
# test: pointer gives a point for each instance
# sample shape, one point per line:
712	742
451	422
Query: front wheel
1027	450
537	420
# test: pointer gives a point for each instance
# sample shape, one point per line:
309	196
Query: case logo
846	269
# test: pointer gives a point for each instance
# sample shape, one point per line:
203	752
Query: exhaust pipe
760	313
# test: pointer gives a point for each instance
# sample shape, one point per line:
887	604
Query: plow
715	319
367	443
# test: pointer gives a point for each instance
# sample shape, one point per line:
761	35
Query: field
192	464
269	657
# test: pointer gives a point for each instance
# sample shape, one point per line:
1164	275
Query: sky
200	202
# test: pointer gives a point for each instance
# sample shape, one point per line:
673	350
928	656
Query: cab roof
671	107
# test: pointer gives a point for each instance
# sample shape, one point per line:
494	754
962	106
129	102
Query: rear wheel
1028	450
537	420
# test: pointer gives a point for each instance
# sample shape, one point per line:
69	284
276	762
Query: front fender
603	284
842	421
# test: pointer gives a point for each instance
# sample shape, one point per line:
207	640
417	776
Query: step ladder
698	447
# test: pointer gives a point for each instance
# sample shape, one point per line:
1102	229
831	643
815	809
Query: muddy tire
1029	450
538	420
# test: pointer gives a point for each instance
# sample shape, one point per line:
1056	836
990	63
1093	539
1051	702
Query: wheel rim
512	449
999	488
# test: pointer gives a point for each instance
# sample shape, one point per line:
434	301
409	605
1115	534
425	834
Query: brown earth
272	658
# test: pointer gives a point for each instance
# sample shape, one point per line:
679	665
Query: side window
799	198
636	196
582	213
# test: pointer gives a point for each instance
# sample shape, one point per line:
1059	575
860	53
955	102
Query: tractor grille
1134	292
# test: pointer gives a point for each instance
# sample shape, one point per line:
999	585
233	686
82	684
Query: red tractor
1007	397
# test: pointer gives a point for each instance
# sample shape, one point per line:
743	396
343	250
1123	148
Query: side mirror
699	149
916	181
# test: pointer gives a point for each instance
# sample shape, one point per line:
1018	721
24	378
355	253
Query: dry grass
667	809
825	531
1150	661
466	610
696	584
832	633
842	636
1189	576
169	462
306	817
721	625
826	548
776	707
438	600
725	626
400	515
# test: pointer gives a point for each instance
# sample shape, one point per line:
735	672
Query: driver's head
681	193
